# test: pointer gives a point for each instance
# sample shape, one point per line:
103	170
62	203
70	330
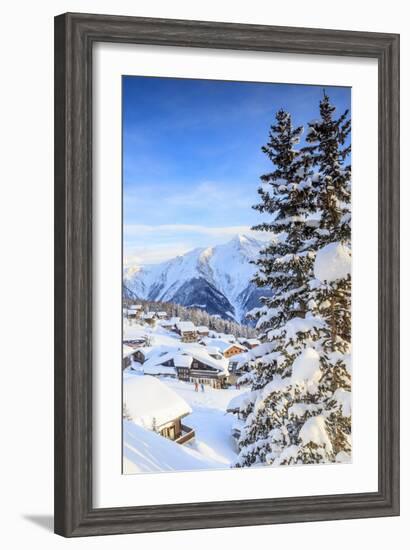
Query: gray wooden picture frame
75	35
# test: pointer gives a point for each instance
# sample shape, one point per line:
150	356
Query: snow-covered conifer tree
329	150
285	267
287	196
301	410
331	291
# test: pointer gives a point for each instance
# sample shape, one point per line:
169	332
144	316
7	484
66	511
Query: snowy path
213	439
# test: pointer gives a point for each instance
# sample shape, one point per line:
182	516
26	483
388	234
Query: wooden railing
187	434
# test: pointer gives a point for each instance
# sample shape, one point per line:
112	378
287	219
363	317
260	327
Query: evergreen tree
328	145
287	196
285	266
301	411
329	149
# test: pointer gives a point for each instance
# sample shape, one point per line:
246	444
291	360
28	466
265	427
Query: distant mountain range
216	279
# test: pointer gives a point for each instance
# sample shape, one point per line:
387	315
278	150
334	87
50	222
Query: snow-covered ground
147	452
209	419
213	447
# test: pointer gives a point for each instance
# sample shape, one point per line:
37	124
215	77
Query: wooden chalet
187	331
190	364
208	368
151	404
233	349
202	331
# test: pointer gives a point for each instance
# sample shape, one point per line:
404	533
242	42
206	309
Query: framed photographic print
226	274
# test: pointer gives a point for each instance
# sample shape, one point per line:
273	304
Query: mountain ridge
215	278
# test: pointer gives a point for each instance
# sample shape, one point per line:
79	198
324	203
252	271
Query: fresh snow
277	384
306	369
242	401
332	262
183	361
147	452
297	325
314	431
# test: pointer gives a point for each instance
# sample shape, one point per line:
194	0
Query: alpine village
272	386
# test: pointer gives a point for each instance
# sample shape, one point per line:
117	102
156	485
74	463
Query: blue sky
192	158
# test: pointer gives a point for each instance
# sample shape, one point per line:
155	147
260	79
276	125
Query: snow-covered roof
212	350
181	360
136	306
162	313
149	315
200	354
186	326
149	402
159	356
202	328
166	323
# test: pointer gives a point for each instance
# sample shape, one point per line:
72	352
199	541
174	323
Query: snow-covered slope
216	279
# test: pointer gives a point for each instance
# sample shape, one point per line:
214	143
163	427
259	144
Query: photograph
236	274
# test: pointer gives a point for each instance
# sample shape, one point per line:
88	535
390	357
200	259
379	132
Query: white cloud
132	230
145	256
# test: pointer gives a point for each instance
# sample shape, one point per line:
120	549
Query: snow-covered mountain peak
218	278
242	240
